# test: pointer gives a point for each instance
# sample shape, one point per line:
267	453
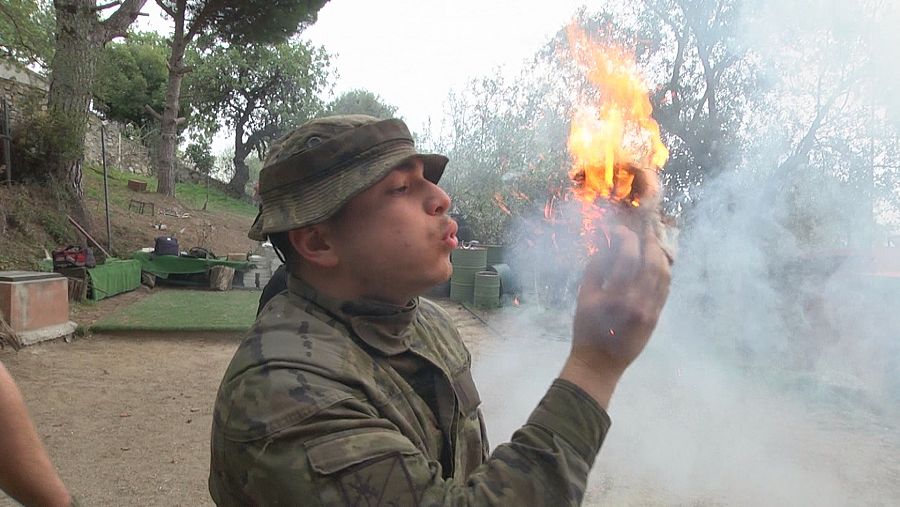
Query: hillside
31	219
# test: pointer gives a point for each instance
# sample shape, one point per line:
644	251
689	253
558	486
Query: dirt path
89	312
126	420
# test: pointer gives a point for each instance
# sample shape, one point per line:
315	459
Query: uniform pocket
332	453
369	467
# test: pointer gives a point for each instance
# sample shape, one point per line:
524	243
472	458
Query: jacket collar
383	326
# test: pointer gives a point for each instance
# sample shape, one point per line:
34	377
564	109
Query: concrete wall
20	87
11	71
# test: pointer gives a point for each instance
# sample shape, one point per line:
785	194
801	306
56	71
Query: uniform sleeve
346	455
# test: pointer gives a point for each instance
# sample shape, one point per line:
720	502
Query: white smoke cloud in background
751	392
734	402
774	375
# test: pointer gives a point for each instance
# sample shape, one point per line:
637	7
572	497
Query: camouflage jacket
312	411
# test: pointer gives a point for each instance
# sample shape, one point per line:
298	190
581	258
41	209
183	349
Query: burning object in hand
630	186
615	144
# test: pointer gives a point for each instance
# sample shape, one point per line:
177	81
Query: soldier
276	285
351	390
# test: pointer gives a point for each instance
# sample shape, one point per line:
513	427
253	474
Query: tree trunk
72	69
237	185
241	172
169	120
168	136
80	39
168	124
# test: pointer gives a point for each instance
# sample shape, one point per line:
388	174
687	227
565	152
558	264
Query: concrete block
47	333
35	304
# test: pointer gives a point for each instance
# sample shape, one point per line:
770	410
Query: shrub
40	141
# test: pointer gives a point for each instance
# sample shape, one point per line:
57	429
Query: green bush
41	141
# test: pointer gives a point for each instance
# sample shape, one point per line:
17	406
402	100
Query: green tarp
165	265
114	277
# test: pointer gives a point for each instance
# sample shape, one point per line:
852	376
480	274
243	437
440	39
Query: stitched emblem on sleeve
383	481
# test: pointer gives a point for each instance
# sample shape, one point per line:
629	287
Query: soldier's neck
337	285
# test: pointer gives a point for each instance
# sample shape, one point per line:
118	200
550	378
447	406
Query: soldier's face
395	238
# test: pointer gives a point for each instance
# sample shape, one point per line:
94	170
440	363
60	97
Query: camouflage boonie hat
313	171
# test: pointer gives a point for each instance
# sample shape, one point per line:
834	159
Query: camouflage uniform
314	410
335	403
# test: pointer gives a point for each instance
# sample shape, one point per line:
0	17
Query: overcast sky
412	52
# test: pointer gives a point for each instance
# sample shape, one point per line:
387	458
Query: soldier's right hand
623	290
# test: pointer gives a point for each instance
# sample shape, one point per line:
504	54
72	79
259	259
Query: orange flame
501	203
615	129
548	208
520	195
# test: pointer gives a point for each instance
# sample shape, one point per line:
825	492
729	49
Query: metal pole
86	235
5	135
105	184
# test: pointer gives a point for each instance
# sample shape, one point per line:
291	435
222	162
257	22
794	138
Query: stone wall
122	152
24	89
21	87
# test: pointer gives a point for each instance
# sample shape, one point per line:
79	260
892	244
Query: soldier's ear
313	244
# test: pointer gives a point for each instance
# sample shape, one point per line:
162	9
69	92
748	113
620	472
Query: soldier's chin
448	271
438	278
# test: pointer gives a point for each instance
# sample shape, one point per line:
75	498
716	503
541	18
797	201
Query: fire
612	131
501	203
548	208
520	195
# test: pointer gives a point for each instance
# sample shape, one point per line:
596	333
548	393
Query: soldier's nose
439	203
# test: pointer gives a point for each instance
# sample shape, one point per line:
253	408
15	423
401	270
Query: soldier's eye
401	189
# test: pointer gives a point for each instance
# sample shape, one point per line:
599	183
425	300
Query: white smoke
774	375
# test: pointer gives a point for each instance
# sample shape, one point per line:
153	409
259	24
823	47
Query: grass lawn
190	194
186	310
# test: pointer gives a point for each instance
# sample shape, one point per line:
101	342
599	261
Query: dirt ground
126	420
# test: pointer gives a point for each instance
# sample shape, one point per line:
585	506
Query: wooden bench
137	185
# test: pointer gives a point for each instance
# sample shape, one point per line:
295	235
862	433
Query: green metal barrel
487	289
508	282
466	263
496	254
470	257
